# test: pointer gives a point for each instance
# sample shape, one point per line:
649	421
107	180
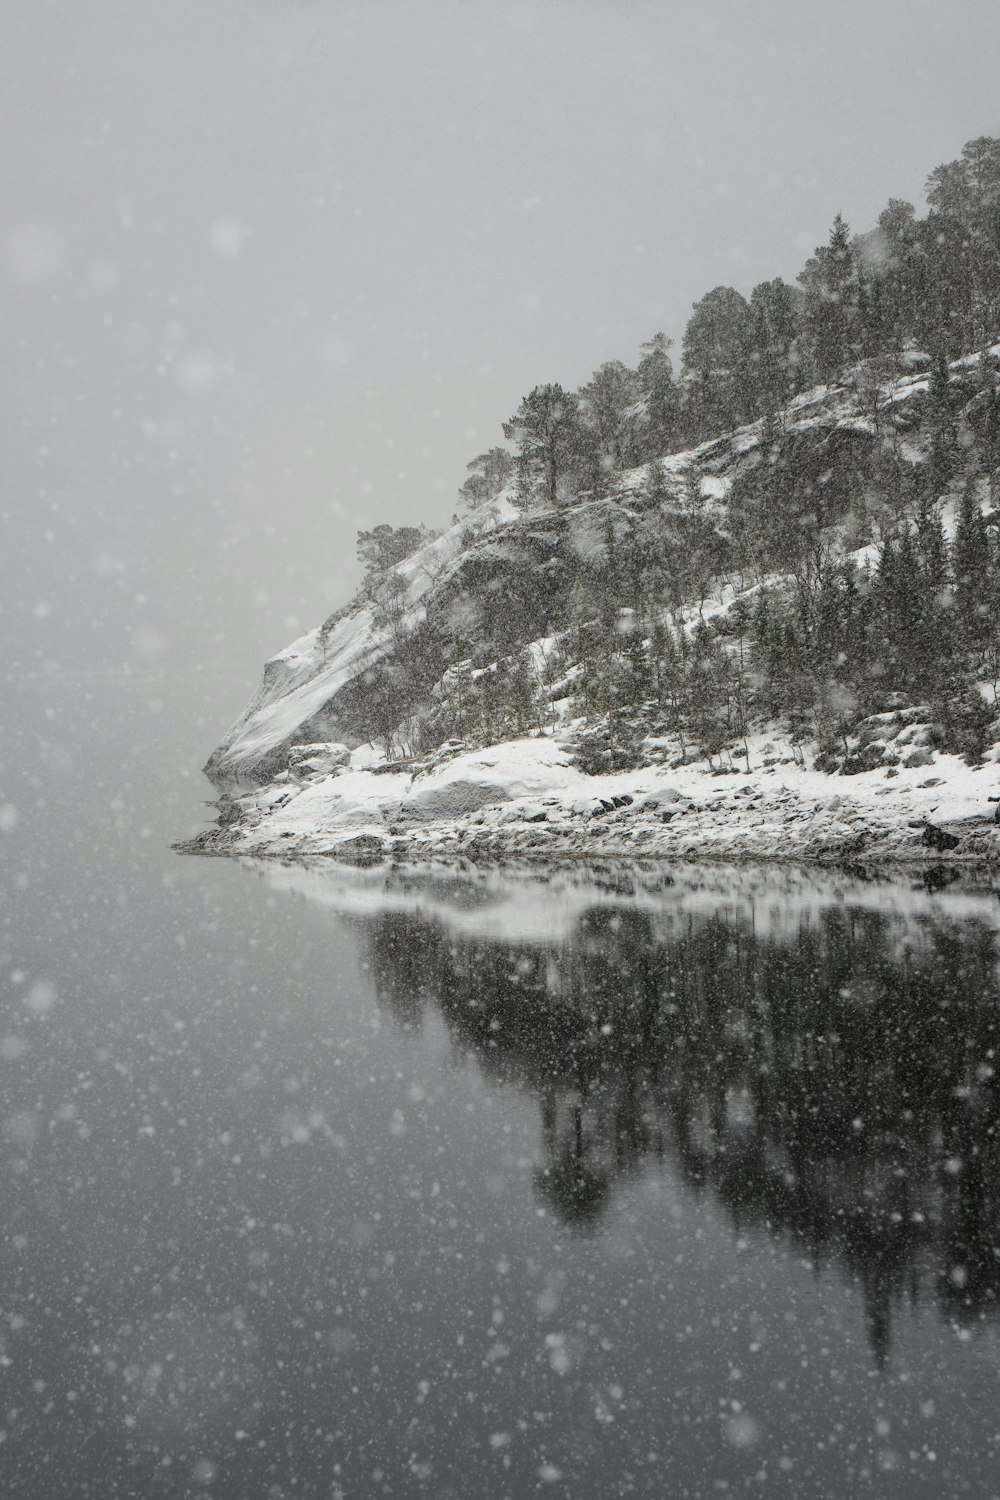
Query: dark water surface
348	1183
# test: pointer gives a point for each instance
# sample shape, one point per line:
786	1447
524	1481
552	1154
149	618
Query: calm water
347	1183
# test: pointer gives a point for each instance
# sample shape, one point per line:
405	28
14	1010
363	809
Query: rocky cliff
504	577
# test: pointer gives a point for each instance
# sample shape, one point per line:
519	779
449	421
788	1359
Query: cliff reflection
836	1084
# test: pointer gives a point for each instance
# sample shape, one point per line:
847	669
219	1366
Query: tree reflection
837	1086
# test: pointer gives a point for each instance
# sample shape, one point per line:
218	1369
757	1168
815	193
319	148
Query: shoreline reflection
826	1072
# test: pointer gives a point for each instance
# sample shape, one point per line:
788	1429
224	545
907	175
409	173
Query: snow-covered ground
524	797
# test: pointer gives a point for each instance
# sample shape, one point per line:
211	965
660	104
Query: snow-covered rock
325	753
444	800
525	798
297	701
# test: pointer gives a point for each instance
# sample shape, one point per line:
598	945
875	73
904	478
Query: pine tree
991	651
491	701
902	272
659	391
988	424
774	372
583	633
489	473
635	680
765	652
738	674
931	547
550	437
657	486
970	561
876	332
962	245
608	579
943	436
707	695
716	364
458	709
523	695
609	406
830	282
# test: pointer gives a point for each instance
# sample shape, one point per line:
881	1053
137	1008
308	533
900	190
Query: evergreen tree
900	272
716	364
458	716
492	699
384	546
830	283
739	679
944	321
589	696
964	197
991	650
919	652
670	655
660	395
635	679
609	405
985	416
766	652
610	578
489	473
524	707
876	325
707	696
931	547
657	486
970	561
549	434
774	372
942	428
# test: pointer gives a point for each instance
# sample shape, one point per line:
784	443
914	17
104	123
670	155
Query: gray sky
271	270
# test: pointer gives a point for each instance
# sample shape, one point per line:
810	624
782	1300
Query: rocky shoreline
523	799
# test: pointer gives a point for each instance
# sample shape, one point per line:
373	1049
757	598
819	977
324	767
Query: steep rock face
501	579
302	692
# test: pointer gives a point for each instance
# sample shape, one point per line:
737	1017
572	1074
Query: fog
272	270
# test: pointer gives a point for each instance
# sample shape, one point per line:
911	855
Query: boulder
318	759
230	810
452	799
939	838
363	848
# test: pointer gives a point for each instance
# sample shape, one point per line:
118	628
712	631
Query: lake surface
350	1183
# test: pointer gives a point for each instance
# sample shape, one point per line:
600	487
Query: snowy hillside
297	696
503	580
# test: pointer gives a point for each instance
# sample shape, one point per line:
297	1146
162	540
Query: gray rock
230	810
362	848
939	838
453	799
323	755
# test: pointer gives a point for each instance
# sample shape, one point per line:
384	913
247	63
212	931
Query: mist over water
629	1181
